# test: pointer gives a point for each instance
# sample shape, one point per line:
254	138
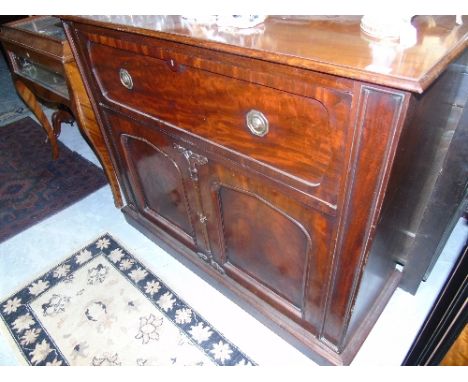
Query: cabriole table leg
30	99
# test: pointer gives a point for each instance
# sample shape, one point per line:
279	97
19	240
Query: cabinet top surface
329	44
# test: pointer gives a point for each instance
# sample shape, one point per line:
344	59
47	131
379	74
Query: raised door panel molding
155	181
264	243
159	182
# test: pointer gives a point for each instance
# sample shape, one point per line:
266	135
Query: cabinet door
157	179
265	239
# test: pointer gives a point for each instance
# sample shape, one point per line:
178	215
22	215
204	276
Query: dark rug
32	185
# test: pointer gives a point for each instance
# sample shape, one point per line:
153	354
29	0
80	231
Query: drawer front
38	68
297	135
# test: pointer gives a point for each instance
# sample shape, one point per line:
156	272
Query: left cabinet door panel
157	180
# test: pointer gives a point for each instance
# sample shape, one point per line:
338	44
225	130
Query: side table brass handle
126	79
257	123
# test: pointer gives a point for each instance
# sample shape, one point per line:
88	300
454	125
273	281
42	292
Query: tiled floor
37	249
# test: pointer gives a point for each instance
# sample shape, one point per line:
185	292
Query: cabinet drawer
297	135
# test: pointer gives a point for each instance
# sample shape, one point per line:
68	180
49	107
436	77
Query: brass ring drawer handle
126	79
257	123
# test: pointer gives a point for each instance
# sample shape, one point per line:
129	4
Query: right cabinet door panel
268	242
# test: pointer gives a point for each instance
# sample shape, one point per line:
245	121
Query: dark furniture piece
44	69
262	159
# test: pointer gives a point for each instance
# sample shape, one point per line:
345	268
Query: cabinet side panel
104	145
378	125
88	124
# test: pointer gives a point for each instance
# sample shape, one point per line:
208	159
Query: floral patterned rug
101	306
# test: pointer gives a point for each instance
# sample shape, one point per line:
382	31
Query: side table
43	67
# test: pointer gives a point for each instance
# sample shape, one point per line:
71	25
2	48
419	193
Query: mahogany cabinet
260	160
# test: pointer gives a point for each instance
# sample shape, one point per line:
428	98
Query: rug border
18	354
5	330
40	273
183	299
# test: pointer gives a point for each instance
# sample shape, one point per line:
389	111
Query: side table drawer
36	72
